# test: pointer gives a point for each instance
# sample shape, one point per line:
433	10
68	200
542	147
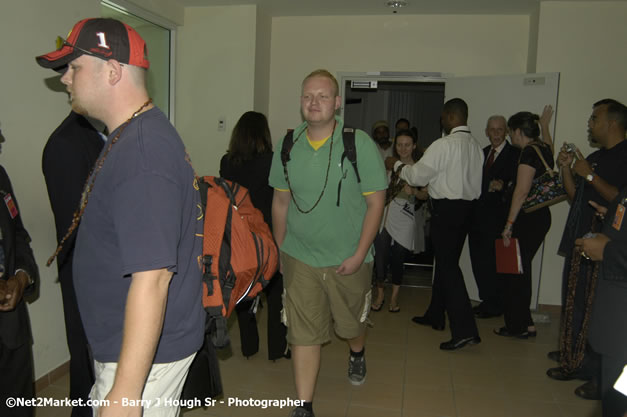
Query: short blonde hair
325	74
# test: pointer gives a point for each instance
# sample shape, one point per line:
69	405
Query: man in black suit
608	329
68	158
18	278
499	168
597	178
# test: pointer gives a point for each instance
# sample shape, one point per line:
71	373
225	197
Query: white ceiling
376	7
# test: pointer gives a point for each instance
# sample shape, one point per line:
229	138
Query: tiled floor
408	375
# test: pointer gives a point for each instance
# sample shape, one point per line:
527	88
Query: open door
505	95
485	95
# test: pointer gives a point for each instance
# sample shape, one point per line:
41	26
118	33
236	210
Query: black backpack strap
288	143
350	152
203	187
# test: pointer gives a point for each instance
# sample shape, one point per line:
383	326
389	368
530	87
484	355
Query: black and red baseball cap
100	37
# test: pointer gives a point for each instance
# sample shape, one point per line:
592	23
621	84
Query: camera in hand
571	148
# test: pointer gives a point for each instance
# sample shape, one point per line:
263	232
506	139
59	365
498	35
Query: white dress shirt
452	167
497	150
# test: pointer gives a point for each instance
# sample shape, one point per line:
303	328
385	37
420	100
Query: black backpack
350	152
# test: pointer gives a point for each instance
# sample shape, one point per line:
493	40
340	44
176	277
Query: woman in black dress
529	228
247	162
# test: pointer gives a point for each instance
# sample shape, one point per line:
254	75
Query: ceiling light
396	4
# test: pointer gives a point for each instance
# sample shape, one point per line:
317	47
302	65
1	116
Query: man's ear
114	71
611	124
338	102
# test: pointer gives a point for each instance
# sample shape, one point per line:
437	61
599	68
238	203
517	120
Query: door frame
388	76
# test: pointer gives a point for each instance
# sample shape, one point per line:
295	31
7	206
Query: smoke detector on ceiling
396	4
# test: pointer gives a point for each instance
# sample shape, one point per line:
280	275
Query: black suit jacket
493	206
15	325
68	158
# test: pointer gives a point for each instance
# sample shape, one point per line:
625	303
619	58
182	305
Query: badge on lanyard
10	205
618	217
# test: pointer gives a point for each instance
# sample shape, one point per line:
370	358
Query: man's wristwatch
590	177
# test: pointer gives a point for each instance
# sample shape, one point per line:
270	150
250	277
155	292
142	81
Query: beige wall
532	54
262	62
584	41
30	109
168	9
215	78
462	45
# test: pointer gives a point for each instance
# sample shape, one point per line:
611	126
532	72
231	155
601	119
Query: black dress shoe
554	355
287	354
455	344
426	321
524	335
562	375
588	391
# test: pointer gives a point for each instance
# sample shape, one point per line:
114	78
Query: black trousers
81	364
16	379
389	254
449	226
613	402
486	227
249	335
530	229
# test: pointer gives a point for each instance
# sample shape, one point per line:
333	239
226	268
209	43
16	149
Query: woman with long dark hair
529	228
247	162
396	239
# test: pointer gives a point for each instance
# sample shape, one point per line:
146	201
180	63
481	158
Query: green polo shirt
328	234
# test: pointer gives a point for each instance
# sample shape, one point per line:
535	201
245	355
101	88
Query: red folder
508	258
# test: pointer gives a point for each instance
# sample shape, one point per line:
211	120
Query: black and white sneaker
357	369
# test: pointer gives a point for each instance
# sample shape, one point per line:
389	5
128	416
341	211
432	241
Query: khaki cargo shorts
313	298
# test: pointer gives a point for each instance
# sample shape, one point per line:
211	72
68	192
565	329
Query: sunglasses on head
62	42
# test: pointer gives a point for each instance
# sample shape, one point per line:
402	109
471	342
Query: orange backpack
239	254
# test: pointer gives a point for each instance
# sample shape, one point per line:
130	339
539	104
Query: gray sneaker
301	412
357	370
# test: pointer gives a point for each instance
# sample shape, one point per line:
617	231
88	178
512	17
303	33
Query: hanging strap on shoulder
548	168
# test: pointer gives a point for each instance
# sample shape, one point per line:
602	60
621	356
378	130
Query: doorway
421	104
485	95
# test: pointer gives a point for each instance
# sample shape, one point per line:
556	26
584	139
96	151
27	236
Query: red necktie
490	160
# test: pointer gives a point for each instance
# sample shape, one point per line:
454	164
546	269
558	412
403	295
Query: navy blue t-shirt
142	215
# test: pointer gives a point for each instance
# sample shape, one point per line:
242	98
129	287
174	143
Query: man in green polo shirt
325	240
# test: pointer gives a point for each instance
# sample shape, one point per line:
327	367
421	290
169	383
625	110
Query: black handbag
203	379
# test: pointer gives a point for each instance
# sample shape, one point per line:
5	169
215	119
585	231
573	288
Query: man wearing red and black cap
101	38
137	280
